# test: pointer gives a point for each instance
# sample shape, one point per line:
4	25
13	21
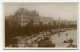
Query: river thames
58	40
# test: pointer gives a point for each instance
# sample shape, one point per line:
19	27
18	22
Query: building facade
23	17
46	20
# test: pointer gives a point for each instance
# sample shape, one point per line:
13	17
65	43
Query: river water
58	40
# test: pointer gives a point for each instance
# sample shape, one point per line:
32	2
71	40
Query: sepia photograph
40	25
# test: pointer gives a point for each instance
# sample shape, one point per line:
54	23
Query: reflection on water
72	34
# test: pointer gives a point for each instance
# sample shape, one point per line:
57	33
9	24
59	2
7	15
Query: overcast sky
66	11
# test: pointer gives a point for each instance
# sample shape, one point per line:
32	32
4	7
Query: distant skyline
65	10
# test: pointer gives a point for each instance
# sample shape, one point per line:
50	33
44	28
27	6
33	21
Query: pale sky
66	11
